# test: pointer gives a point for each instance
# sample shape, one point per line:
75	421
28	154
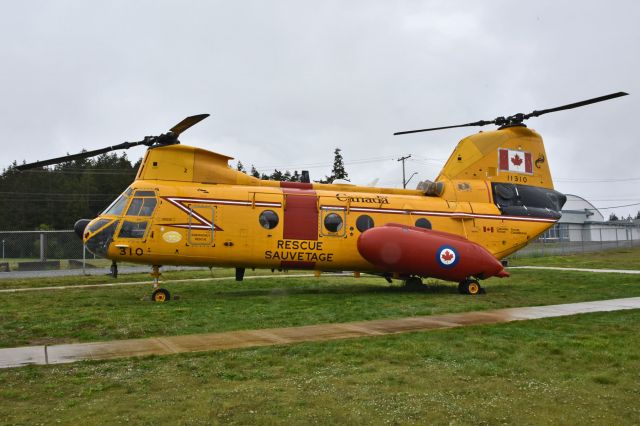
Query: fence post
43	252
600	238
84	257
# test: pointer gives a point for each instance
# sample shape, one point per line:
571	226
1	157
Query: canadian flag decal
511	160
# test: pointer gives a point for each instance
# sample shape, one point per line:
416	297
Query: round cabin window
333	222
268	219
364	222
423	223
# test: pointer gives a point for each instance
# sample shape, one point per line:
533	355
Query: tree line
337	171
55	197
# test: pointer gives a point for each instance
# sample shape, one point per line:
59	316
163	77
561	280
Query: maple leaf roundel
447	256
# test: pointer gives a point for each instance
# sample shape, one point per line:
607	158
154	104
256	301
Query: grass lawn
628	258
570	370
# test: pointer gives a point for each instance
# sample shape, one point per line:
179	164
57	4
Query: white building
582	222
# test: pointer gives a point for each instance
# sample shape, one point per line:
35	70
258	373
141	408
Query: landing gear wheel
414	283
471	287
161	295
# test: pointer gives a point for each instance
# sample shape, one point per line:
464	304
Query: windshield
118	205
142	204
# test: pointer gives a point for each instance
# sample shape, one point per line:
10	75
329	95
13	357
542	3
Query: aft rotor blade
476	123
188	122
576	104
78	156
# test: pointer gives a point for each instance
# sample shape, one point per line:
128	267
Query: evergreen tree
240	167
276	175
254	172
295	177
613	217
638	215
338	171
287	176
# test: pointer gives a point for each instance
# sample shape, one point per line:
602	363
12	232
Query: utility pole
404	180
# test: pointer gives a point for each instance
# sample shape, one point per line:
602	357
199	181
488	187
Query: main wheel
473	288
161	295
469	287
414	283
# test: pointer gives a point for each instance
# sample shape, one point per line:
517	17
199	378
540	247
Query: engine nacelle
409	250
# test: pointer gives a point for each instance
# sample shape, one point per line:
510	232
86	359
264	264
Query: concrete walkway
59	354
557	268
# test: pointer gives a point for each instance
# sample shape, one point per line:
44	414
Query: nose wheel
471	287
159	295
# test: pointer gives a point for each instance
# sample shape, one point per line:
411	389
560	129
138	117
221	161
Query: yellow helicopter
186	206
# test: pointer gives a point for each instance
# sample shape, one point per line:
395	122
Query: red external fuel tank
409	250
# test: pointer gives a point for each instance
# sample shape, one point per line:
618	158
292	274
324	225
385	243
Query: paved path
602	271
59	354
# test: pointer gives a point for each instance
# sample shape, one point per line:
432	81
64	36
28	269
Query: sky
287	82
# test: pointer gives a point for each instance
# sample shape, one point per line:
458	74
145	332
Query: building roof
577	209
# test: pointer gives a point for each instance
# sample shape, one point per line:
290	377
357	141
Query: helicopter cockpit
127	218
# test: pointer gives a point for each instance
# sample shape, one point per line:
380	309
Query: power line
590	180
83	172
615	207
322	165
60	193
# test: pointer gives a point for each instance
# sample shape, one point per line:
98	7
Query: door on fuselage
201	225
300	215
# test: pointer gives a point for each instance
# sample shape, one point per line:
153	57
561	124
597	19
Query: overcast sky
286	82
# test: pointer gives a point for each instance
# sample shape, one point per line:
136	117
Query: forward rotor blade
576	104
78	156
188	122
476	123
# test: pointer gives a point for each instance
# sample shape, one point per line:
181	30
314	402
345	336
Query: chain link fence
570	239
41	250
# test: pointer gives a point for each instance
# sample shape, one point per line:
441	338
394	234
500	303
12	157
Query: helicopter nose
80	226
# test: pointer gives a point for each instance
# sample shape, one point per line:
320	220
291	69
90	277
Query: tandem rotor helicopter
186	206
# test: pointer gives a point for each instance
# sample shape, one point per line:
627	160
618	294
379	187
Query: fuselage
187	207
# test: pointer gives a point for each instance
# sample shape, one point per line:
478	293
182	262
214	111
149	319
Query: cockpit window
132	229
143	204
98	224
118	205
